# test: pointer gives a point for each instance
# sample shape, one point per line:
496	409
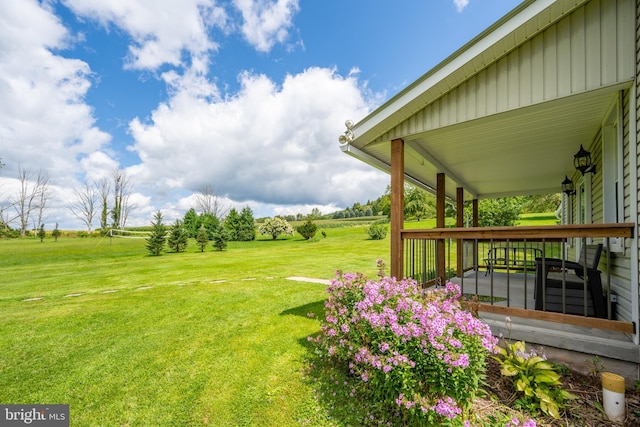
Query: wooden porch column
440	250
475	213
397	207
460	224
474	223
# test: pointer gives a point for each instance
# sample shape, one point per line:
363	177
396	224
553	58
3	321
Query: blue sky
248	97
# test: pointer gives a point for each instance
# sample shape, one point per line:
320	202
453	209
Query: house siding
585	50
620	276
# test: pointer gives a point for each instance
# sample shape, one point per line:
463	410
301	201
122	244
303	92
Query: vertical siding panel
492	89
563	55
608	47
578	47
625	44
461	104
550	64
525	78
537	69
513	91
592	54
502	86
481	94
471	98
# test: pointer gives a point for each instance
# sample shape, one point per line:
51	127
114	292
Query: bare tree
103	187
44	194
208	202
84	204
32	196
122	190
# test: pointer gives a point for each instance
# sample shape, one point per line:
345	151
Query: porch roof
505	114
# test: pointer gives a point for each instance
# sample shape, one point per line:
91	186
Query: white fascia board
465	55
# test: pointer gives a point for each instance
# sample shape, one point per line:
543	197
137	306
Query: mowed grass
190	339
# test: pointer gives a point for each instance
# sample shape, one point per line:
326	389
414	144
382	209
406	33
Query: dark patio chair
550	274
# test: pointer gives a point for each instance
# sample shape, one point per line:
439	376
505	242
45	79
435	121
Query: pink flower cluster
395	328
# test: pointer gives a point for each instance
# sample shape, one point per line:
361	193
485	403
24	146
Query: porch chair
551	276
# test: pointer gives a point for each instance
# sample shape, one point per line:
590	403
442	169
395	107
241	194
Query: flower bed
416	355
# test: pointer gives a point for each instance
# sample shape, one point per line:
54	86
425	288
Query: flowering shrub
415	352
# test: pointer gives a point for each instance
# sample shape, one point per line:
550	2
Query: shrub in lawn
307	230
415	353
377	231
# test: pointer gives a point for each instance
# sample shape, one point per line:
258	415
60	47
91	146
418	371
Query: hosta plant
535	379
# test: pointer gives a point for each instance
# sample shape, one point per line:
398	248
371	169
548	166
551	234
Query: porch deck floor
519	289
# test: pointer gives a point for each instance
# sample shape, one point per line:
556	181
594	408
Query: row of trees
177	236
419	204
108	198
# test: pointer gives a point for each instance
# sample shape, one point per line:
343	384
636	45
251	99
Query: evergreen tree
155	241
41	233
202	238
191	222
178	237
56	233
220	238
210	223
247	225
232	224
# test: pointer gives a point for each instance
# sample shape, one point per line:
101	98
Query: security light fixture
567	186
582	161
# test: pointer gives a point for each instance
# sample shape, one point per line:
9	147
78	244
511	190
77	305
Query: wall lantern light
567	186
582	161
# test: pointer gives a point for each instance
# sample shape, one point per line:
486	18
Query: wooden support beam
567	319
475	213
397	207
440	202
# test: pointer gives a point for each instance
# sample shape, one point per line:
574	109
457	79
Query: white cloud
266	22
460	4
44	121
268	144
161	29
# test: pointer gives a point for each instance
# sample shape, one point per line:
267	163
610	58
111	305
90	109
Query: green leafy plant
308	229
596	366
377	231
534	378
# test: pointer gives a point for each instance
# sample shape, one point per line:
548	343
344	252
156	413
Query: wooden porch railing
433	256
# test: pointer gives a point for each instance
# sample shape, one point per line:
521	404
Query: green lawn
190	339
213	338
